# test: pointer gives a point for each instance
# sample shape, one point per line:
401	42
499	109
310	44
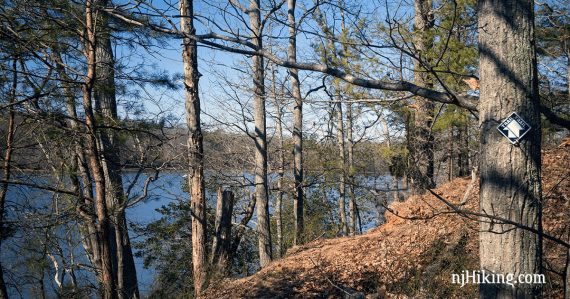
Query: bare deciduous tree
195	147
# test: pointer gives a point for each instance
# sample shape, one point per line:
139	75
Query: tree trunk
450	150
421	149
7	166
107	283
221	243
261	185
281	164
239	232
463	156
297	127
350	149
342	166
106	110
79	174
195	147
510	184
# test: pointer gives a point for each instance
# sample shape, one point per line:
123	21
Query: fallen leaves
404	253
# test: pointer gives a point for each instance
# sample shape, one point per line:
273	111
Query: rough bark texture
421	149
93	156
195	147
297	127
106	110
510	174
261	186
221	243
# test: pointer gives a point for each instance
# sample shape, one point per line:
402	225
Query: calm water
33	210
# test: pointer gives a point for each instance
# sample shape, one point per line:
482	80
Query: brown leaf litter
407	258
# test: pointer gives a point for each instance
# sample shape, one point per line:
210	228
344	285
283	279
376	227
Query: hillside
412	255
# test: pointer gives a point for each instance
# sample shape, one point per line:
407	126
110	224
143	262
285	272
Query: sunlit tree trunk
352	208
280	162
342	165
195	147
106	110
93	156
261	182
510	184
297	126
79	174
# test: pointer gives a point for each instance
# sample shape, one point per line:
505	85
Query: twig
467	213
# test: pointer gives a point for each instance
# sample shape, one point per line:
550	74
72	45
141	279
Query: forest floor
412	255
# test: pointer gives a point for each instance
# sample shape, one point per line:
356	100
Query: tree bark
350	150
281	164
342	166
107	283
261	182
221	243
297	127
510	184
106	110
421	149
195	147
79	174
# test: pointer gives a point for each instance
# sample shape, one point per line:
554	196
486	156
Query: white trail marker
514	128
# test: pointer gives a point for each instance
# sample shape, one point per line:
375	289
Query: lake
33	210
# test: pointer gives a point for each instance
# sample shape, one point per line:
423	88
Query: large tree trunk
79	174
421	149
106	110
195	147
261	185
510	184
297	126
107	283
342	166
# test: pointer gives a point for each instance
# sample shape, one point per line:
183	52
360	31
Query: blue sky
213	64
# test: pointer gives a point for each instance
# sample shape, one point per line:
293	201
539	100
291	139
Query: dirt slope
409	257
